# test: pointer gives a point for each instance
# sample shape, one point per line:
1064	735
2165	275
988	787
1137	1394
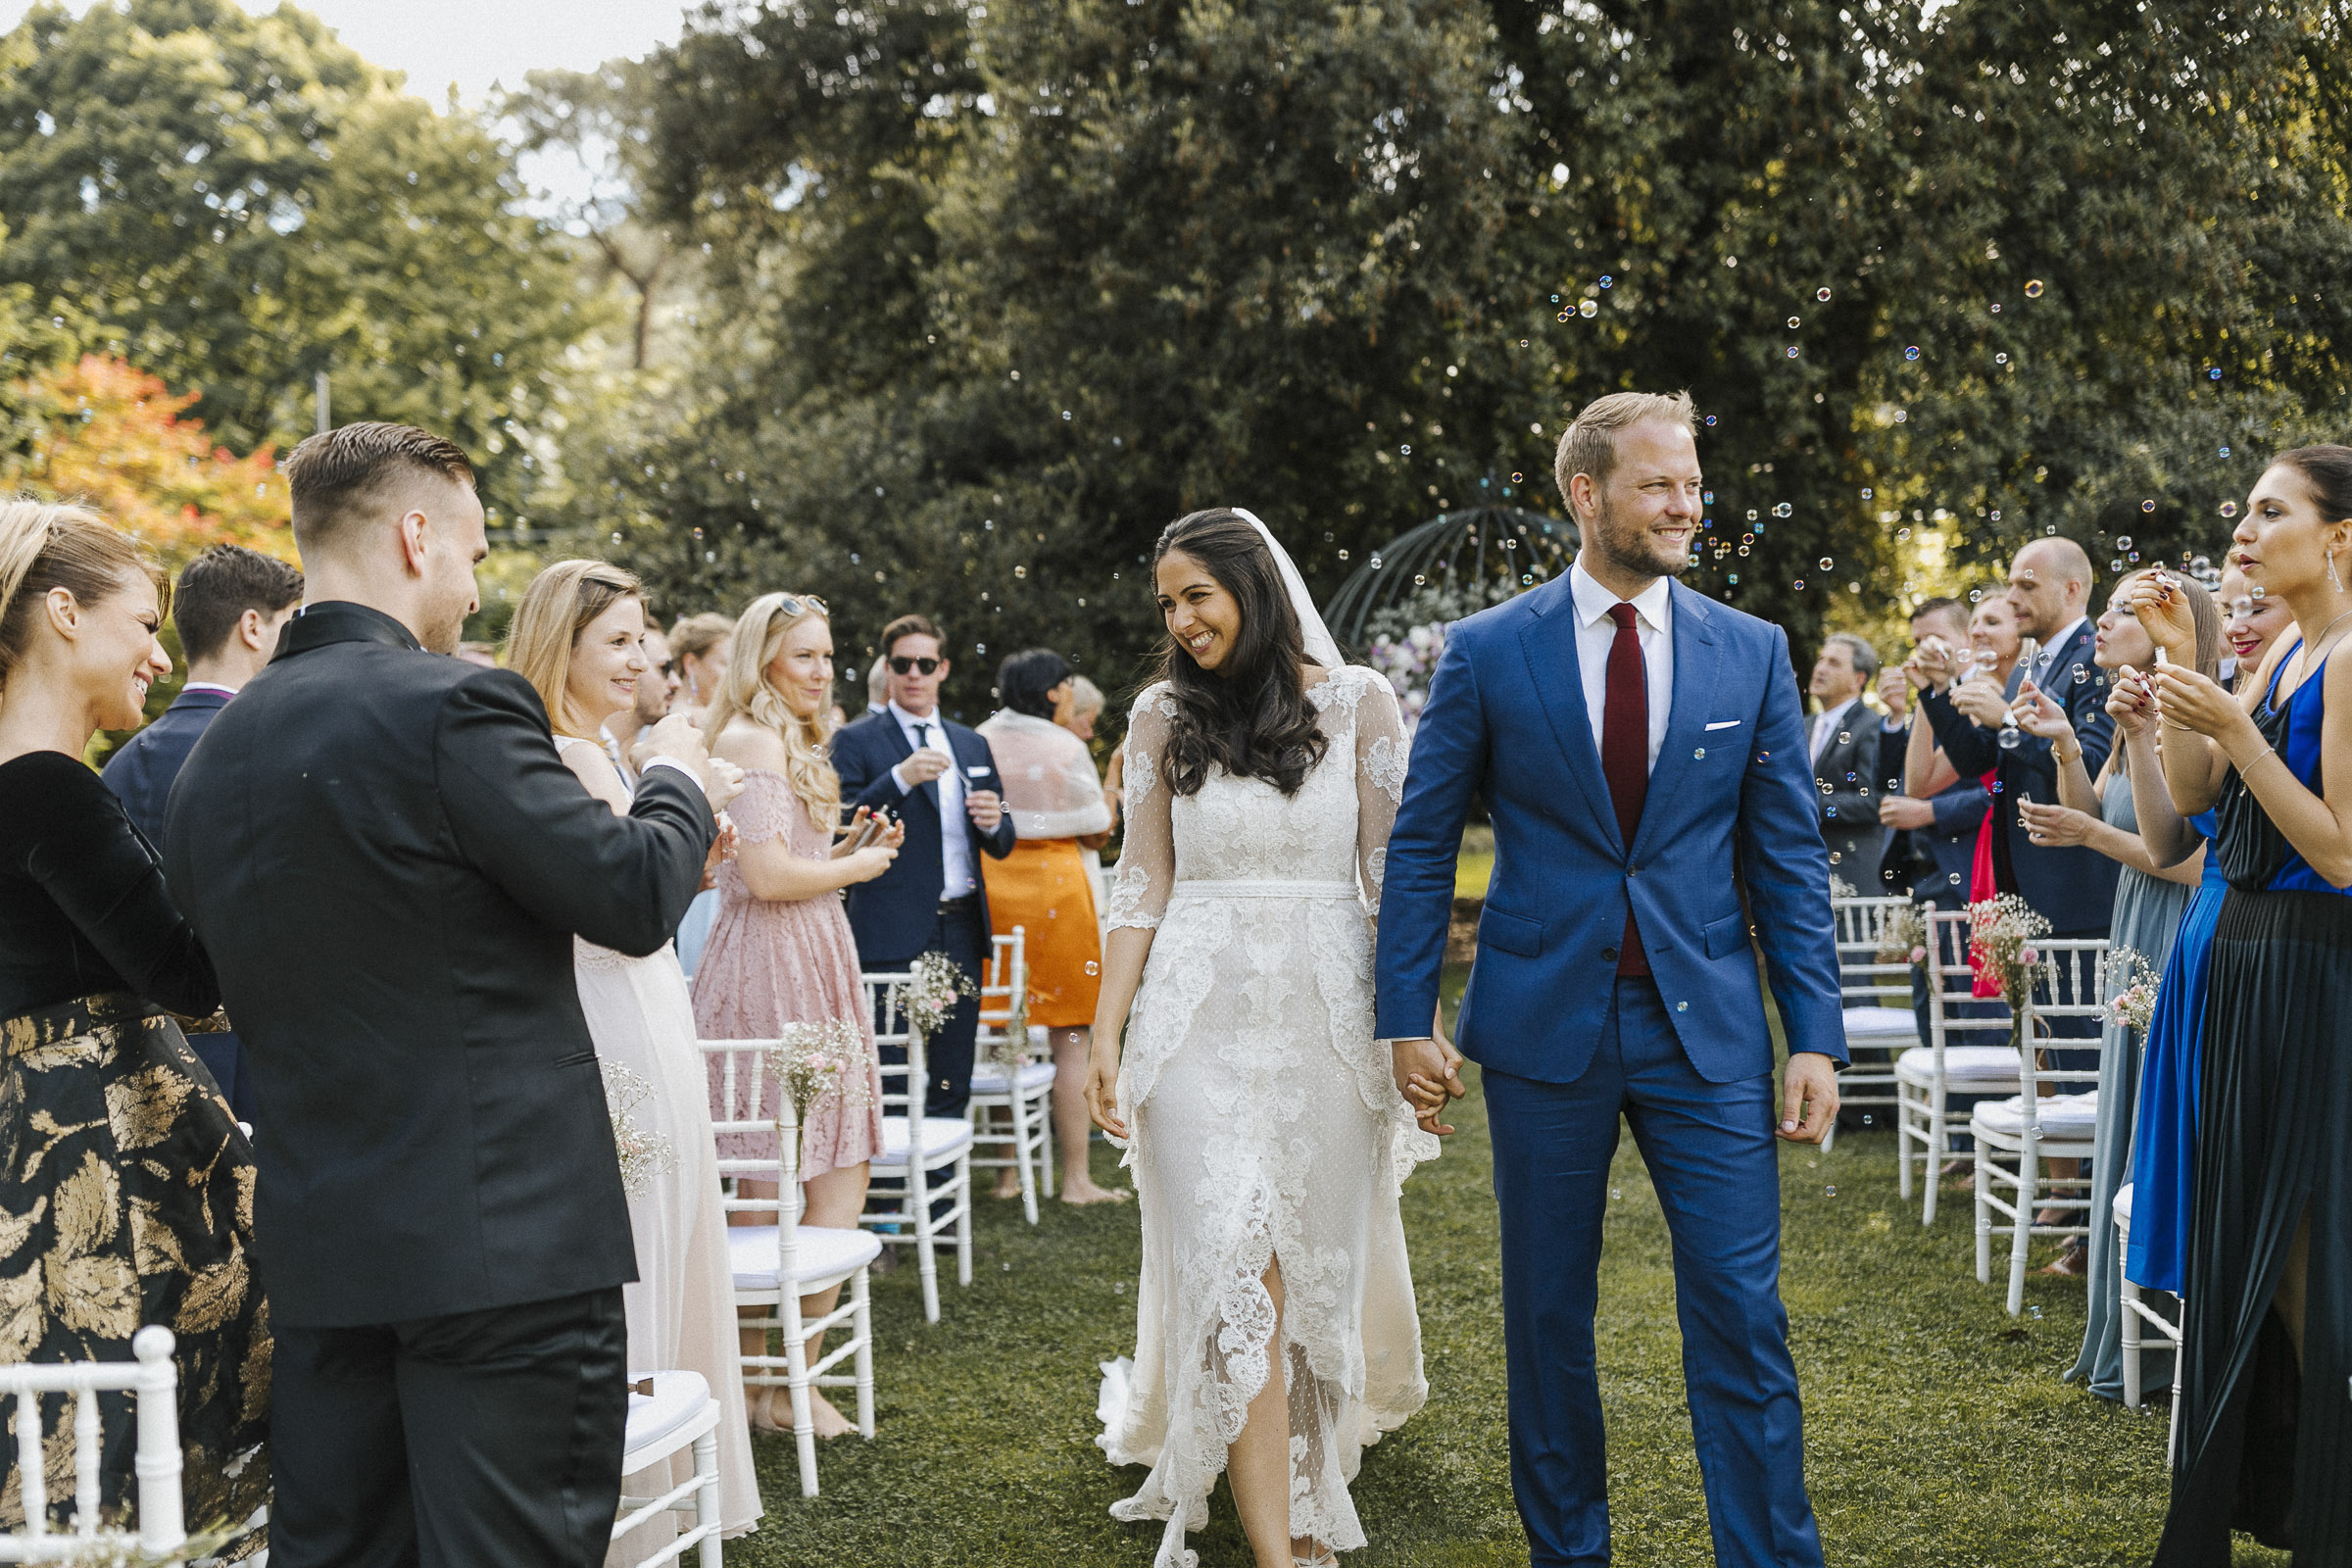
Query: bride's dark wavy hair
1251	718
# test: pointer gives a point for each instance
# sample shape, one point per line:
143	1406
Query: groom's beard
1635	550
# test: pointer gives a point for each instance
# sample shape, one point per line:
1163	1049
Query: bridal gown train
1265	1122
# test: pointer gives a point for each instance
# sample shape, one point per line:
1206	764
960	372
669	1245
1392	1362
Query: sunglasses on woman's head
797	604
901	663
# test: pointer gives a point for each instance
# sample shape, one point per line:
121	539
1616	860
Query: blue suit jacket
1729	808
2073	888
892	916
142	771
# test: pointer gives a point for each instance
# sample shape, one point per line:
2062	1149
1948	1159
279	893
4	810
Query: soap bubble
1792	351
2001	359
2034	288
1515	478
2214	374
1911	353
1710	421
1800	585
1734	579
1822	294
2124	543
1589	309
1565	315
1751	513
1830	1190
1783	510
2228	508
1793	323
2117	565
1092	967
2080	675
1826	562
2225	451
2009	739
2147	506
1606	280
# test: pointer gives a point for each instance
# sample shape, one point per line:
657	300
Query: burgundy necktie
1625	754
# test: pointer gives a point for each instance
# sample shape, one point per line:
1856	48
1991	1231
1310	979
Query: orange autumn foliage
111	434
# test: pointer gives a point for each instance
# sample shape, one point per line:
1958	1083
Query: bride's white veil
1320	644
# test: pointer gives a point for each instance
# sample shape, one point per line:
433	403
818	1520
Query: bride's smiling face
606	664
1204	617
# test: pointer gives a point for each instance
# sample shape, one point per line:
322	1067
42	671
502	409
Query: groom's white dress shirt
954	847
1597	633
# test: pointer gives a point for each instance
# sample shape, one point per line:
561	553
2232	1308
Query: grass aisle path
1936	1427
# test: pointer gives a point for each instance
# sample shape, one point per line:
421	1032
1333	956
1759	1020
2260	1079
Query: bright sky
478	43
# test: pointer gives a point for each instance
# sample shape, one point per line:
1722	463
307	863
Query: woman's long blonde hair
555	609
745	691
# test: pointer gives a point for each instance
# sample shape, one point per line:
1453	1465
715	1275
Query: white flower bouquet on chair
644	1153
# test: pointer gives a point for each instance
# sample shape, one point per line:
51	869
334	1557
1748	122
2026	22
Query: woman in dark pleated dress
2265	1429
126	1187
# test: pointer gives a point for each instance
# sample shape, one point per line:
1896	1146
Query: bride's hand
1426	1074
1103	1083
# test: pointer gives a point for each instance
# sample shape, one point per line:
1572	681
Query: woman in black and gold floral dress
125	1186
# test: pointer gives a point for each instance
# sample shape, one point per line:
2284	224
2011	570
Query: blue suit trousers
1712	1158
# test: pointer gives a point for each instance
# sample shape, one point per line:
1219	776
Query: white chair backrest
1005	997
893	1027
1950	980
748	1072
2073	984
1864	978
154	1382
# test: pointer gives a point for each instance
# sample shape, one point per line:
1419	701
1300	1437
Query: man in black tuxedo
941	780
388	865
229	605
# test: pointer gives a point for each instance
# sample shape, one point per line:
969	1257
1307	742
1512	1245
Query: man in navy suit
228	607
940	779
1642	751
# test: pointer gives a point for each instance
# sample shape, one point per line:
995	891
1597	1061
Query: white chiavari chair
1012	1091
931	1155
154	1384
1875	990
2016	1138
777	1261
2139	1315
671	1412
1968	1053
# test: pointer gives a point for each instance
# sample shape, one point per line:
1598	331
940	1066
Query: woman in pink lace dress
780	950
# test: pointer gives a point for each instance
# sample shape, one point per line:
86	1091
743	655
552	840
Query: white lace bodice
1334	830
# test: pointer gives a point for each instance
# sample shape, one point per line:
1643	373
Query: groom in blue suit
1642	751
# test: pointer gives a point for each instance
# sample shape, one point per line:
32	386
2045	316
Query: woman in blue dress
2161	1170
2265	1430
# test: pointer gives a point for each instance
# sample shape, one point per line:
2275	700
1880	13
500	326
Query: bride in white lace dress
1276	1334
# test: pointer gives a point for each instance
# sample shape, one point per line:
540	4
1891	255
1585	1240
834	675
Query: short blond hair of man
1588	446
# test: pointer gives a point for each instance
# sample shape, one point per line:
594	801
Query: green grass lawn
1937	1429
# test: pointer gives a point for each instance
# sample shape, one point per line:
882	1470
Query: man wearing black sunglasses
940	779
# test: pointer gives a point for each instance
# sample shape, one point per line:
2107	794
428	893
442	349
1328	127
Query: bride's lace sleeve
1147	872
1381	751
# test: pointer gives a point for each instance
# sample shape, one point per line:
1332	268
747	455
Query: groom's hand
1427	1073
1808	1098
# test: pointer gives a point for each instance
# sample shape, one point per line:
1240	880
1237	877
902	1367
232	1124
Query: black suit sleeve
1971	751
999	843
104	875
523	818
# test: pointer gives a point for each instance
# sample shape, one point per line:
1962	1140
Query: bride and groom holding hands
393	863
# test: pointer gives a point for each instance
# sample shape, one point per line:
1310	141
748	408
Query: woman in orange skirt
1055	798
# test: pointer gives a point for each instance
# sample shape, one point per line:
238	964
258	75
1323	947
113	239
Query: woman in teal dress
2264	1432
2150	893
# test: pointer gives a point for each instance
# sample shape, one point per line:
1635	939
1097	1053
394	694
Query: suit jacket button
1610	954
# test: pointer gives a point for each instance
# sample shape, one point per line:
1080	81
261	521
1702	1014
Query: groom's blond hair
1588	446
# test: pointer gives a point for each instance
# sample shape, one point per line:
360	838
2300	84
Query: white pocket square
1724	723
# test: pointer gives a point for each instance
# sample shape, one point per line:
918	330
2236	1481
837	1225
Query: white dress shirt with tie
1827	723
954	843
1597	633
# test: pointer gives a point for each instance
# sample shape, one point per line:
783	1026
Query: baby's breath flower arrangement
1904	938
644	1153
930	992
2136	982
2001	932
814	1060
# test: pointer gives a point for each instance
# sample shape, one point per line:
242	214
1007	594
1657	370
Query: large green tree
1003	289
238	203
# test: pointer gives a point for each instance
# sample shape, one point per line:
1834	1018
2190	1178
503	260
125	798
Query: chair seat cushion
678	1397
1970	1069
2067	1118
1032	1077
818	1254
1880	1026
944	1139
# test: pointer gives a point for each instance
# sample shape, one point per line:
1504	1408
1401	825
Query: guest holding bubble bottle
2265	1435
